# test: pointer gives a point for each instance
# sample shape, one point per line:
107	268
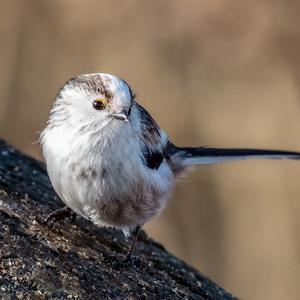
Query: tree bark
78	260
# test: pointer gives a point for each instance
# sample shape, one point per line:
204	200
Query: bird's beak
123	115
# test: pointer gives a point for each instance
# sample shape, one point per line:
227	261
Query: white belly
106	182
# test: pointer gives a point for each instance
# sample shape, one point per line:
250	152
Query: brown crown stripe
93	83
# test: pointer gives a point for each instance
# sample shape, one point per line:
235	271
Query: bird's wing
153	139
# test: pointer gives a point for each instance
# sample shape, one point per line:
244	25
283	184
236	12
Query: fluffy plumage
116	166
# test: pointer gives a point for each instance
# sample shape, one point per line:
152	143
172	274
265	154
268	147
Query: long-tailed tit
110	162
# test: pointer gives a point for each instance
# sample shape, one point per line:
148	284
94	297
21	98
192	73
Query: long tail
203	155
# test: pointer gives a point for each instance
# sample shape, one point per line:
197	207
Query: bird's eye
100	104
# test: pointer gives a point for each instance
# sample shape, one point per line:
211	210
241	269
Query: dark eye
100	104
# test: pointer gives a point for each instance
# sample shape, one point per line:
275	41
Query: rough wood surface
78	260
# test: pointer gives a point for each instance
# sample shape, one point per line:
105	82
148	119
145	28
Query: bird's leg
128	259
60	214
135	235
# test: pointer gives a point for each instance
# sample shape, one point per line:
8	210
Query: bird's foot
59	214
122	262
131	260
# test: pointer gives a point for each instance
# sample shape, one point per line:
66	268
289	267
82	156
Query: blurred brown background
220	73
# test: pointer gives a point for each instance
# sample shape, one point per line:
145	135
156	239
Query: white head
94	98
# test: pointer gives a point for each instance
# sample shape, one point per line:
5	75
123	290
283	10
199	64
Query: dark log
78	260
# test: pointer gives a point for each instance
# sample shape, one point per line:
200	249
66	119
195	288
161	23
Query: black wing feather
153	153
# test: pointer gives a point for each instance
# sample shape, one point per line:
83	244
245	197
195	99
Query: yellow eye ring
100	103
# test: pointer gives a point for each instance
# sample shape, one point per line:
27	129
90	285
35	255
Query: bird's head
98	98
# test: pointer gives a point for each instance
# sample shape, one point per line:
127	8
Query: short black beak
123	115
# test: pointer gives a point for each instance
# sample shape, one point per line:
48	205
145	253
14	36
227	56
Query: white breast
105	181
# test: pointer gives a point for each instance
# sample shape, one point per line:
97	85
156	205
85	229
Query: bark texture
78	260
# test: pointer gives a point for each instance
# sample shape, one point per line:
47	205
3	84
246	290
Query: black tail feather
233	152
206	155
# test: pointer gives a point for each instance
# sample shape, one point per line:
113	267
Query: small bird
110	162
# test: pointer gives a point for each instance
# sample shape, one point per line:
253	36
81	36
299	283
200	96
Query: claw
58	215
122	262
127	260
